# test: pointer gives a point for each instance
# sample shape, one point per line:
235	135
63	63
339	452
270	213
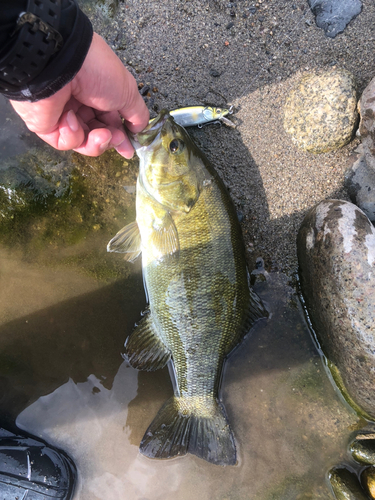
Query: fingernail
72	121
105	145
117	143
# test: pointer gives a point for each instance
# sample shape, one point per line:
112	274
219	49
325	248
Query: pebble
145	90
336	255
334	15
320	112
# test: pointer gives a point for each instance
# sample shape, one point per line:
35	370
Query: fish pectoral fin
144	349
127	241
177	431
164	236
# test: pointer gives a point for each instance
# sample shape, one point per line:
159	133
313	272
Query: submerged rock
336	254
362	449
368	480
334	15
320	113
44	173
345	485
360	178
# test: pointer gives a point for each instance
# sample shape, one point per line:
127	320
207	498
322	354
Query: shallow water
67	307
62	375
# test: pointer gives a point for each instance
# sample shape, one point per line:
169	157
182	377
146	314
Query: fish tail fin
184	426
211	437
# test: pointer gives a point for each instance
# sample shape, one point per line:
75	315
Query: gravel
249	54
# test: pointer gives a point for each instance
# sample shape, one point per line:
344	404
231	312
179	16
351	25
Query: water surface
62	376
67	307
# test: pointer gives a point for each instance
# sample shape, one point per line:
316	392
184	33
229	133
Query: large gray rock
360	184
360	178
366	108
320	113
336	254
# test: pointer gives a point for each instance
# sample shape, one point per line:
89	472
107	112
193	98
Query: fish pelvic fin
127	241
199	427
144	349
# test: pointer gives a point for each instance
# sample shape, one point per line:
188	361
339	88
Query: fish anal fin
177	430
144	349
127	241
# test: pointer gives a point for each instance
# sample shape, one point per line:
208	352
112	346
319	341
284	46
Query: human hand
85	115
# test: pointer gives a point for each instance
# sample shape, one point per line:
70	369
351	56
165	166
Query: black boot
32	469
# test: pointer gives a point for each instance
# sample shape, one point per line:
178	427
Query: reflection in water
63	371
71	339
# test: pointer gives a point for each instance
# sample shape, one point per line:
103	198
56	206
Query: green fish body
200	302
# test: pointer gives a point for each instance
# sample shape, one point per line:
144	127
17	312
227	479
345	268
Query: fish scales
201	298
200	302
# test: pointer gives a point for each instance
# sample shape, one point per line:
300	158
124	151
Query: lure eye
218	110
176	146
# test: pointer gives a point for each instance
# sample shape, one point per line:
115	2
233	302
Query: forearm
54	72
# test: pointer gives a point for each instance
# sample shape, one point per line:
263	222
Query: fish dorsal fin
144	349
127	241
164	236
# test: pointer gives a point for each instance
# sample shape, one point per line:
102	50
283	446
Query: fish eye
176	146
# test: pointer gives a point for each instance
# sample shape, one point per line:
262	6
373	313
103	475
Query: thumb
69	134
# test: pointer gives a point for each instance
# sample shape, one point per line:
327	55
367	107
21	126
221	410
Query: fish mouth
149	134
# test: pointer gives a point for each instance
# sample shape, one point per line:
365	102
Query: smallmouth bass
196	280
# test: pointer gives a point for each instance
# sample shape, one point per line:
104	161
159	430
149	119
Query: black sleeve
76	31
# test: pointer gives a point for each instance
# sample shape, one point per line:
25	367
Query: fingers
68	133
85	114
125	148
135	113
113	122
99	140
85	133
71	133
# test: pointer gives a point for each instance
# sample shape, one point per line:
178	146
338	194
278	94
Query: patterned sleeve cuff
62	66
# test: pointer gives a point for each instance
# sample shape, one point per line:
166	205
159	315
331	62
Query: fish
200	301
201	115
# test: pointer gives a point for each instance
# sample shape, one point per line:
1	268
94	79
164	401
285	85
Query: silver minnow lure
201	115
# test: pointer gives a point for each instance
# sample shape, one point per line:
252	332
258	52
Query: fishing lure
201	115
